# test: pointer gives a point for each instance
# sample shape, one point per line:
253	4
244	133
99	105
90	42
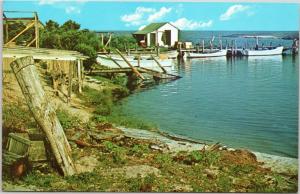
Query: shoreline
279	164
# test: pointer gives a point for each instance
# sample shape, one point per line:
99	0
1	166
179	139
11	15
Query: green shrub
66	120
16	117
118	153
139	150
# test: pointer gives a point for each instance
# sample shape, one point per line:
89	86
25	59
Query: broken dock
138	71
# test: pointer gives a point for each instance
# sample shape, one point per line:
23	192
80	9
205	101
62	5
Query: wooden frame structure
74	59
31	22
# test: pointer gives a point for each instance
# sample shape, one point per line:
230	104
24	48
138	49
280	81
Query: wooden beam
135	71
79	75
36	30
109	39
6	32
160	66
114	61
28	45
14	38
70	77
18	19
40	56
44	114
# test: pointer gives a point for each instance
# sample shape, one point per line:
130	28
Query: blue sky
102	16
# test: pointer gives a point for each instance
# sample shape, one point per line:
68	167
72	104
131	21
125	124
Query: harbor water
249	102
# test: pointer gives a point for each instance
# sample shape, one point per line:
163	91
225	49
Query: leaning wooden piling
135	71
160	66
113	60
38	103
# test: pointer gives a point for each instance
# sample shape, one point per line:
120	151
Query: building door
152	39
168	37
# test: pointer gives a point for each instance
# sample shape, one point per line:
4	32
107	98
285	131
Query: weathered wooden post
139	60
36	31
79	75
43	112
70	77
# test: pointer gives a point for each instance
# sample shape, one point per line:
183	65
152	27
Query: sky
131	16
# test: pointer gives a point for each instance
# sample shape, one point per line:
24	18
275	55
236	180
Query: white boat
111	60
218	53
264	52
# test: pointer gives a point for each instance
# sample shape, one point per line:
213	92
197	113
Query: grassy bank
111	161
106	104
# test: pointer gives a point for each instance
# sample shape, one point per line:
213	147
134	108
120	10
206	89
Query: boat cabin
157	34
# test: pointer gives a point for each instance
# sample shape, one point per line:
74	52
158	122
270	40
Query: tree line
69	36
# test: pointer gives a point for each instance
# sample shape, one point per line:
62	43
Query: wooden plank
135	71
36	30
31	42
79	76
20	33
160	66
70	76
114	61
37	101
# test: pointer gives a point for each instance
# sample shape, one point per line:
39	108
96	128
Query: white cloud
143	15
233	10
47	2
72	10
185	24
141	27
136	18
157	15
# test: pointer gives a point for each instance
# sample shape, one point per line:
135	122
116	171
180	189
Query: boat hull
276	51
220	53
146	63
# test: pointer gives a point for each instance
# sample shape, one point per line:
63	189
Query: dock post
79	75
139	60
70	82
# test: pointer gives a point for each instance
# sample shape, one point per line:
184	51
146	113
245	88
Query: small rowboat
218	53
264	52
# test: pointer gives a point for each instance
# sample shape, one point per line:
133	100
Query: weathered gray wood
135	71
79	76
43	112
70	77
160	66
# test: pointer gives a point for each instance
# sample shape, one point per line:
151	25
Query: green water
243	103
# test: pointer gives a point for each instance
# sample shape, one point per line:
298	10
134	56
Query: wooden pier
137	71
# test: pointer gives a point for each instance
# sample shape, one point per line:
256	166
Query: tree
51	25
70	25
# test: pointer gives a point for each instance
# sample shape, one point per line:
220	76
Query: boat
264	52
216	53
115	61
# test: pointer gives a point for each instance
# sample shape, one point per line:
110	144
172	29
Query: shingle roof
150	28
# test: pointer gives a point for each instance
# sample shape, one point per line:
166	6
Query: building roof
152	27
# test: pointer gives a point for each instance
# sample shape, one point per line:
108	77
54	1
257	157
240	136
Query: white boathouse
161	34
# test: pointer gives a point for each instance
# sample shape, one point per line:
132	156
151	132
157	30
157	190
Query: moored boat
264	52
218	53
114	61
